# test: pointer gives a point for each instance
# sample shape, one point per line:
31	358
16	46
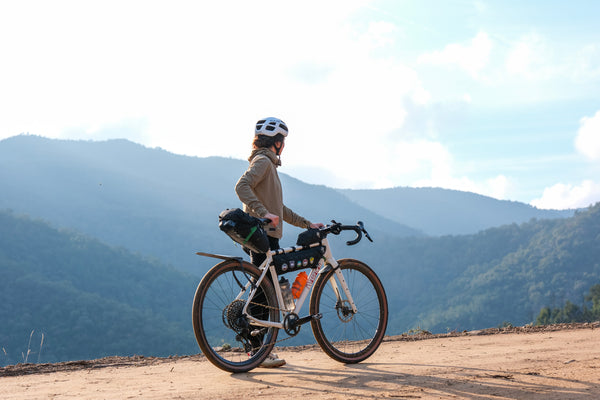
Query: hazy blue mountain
437	211
149	200
166	205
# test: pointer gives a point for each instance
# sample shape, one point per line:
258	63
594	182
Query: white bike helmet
271	127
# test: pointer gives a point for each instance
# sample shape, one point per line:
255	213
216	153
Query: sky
500	98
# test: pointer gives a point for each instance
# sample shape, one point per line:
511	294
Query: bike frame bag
297	260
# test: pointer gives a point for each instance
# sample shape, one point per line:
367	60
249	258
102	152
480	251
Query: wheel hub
344	311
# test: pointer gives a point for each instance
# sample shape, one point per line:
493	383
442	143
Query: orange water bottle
299	284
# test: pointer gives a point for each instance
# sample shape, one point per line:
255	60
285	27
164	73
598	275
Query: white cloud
380	34
526	56
535	58
568	196
410	161
496	187
586	63
192	77
587	141
196	74
472	56
519	58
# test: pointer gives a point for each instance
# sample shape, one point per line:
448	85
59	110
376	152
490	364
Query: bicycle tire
344	336
223	334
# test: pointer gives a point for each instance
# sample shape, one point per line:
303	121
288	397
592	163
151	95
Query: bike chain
278	309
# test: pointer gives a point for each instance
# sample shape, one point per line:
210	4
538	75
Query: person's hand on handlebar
274	219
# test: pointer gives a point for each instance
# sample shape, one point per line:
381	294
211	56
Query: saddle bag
244	229
296	260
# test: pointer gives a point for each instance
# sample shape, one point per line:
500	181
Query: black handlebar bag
244	229
308	237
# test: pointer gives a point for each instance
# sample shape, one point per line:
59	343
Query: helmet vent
271	127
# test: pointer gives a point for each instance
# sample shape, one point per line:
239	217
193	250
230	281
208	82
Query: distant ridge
149	200
437	211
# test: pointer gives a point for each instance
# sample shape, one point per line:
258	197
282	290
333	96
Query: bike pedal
256	332
317	316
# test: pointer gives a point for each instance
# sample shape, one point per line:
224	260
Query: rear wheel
346	336
223	333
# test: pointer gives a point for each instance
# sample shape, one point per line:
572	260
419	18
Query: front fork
341	304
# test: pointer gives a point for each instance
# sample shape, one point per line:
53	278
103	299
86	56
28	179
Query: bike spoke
344	335
222	331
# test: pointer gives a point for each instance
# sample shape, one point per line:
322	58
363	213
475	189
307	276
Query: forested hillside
88	300
502	274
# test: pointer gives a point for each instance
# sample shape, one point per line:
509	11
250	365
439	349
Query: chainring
290	324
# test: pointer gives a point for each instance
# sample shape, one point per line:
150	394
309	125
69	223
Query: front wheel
222	331
344	335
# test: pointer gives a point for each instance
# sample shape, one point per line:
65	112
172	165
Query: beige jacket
260	191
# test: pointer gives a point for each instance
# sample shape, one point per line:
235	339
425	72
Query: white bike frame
266	267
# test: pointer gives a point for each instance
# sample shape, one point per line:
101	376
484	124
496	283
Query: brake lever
362	228
266	221
335	227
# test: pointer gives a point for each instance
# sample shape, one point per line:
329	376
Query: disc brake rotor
344	311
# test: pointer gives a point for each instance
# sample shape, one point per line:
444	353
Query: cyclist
259	189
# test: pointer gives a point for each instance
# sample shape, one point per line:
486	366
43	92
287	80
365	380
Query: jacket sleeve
247	182
294	219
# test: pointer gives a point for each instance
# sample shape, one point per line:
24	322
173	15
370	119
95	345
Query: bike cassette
232	316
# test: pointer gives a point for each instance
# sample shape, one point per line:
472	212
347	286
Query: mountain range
98	242
165	205
438	212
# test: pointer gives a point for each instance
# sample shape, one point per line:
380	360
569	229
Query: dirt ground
556	362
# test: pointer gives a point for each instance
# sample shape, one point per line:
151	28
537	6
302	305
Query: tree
571	312
594	297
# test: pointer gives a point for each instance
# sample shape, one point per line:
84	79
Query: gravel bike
239	308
